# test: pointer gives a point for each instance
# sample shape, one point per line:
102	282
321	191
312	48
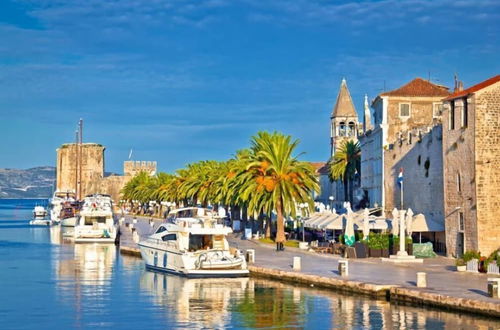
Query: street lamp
303	207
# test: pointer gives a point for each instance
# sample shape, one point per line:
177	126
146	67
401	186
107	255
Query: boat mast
80	130
76	163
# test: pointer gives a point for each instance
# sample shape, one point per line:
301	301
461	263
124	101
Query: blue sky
181	81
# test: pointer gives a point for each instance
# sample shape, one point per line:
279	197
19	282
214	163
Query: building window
459	183
437	110
465	113
452	115
342	129
461	221
404	110
352	129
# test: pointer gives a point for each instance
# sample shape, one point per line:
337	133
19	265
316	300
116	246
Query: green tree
345	164
275	180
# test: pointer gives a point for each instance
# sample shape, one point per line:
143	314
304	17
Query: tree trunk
280	225
268	228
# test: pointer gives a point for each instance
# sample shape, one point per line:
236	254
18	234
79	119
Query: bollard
494	287
135	236
296	263
421	280
131	227
122	220
343	267
250	256
135	220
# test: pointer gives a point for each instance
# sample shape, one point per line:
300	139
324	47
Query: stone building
344	126
471	153
79	167
405	135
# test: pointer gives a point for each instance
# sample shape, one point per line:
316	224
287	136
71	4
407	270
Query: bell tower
344	123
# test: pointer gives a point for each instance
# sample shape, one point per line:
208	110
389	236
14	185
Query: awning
421	223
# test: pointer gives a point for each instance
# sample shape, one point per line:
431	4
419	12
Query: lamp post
303	208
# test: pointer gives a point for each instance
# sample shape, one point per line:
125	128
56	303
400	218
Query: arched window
342	129
352	129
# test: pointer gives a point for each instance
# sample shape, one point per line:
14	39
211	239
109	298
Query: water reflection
204	302
258	303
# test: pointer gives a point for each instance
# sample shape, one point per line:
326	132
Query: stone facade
81	179
132	167
92	179
471	153
406	135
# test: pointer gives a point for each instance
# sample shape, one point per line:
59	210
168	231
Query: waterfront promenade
445	286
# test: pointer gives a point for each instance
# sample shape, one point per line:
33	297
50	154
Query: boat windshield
91	220
200	242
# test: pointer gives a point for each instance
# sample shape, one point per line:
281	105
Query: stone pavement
441	275
442	279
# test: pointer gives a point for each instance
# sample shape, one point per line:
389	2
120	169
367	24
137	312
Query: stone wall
419	153
131	167
112	185
371	166
421	114
92	167
487	162
459	182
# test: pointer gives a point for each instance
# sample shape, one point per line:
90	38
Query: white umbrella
409	221
395	222
349	237
366	223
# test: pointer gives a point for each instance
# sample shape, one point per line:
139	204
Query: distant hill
37	182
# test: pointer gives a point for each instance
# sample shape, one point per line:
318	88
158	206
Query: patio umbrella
349	229
395	222
366	223
409	222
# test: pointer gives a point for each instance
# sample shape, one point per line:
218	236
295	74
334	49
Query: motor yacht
193	243
57	202
39	216
96	222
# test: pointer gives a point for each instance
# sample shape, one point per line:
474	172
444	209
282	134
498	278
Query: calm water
46	282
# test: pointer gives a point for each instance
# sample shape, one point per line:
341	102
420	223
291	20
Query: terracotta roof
474	88
419	87
320	167
343	106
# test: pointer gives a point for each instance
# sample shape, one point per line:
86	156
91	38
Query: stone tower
79	168
344	120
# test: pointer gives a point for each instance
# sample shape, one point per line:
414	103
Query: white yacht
192	243
39	216
57	202
96	222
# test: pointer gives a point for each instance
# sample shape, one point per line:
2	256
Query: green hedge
378	241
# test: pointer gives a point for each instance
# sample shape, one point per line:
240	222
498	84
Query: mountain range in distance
36	182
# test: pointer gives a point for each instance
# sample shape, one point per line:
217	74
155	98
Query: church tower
344	124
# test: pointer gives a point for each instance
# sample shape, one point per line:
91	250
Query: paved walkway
441	275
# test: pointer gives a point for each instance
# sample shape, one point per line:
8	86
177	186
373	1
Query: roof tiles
419	87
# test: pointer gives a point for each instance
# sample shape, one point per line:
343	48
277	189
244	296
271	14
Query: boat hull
41	222
69	222
161	260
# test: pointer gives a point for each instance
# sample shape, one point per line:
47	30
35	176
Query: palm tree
275	180
345	164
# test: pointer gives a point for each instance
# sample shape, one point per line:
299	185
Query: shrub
469	255
460	262
378	241
395	240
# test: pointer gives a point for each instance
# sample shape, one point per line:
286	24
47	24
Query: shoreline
392	293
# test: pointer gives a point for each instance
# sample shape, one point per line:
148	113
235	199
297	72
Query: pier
446	288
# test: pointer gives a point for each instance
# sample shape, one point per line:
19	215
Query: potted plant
461	265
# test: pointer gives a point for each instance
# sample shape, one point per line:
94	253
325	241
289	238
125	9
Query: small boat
96	221
39	214
59	198
193	244
69	213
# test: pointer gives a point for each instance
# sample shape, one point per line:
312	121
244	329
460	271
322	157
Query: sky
178	81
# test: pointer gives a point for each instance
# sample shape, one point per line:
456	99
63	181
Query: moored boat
39	216
96	222
193	244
